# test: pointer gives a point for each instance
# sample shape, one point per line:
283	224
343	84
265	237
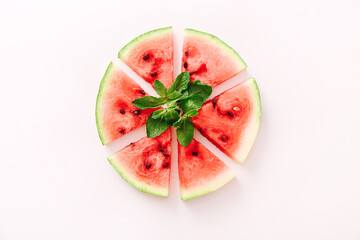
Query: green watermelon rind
138	185
251	131
220	43
103	85
148	35
216	183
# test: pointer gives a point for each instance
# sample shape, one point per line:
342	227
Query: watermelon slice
209	59
145	164
150	55
115	114
231	120
200	171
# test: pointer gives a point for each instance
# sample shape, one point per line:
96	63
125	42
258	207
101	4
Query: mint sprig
183	100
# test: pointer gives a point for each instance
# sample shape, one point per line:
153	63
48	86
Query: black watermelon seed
160	148
148	166
146	57
142	92
166	155
136	112
185	64
122	131
214	102
121	110
165	165
132	143
224	138
194	153
230	114
194	72
154	74
187	53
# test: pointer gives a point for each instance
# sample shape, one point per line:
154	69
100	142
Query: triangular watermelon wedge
200	171
146	163
231	120
150	55
209	59
115	114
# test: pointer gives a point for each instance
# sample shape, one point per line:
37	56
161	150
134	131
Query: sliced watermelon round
146	163
209	59
200	171
115	114
231	120
151	56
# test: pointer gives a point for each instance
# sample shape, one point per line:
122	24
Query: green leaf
180	83
149	102
197	88
158	113
183	96
160	88
171	104
155	127
172	116
194	102
174	95
191	113
178	95
179	122
185	132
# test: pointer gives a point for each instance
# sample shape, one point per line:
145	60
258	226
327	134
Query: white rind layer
124	52
210	186
115	161
220	44
251	130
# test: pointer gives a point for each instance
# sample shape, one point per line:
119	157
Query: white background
300	181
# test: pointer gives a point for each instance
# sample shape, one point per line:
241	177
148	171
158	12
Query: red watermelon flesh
115	114
231	120
209	59
200	171
146	164
150	55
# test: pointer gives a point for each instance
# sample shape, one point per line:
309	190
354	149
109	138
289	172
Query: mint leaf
171	104
180	83
179	122
194	102
197	88
183	96
185	132
172	116
149	102
191	113
178	95
155	127
160	88
174	95
158	113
